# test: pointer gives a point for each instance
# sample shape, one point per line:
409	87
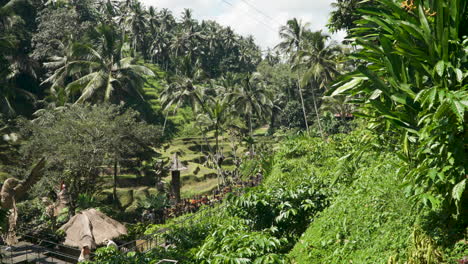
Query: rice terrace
234	131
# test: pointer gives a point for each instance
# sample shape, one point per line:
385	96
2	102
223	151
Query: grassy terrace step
197	179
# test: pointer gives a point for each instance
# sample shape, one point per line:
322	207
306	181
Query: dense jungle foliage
318	151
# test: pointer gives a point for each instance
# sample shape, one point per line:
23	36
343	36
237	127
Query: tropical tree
320	61
292	36
107	71
216	113
182	88
103	134
344	14
252	99
135	24
413	79
15	65
62	67
339	105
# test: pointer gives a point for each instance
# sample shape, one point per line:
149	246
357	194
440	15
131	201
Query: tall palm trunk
271	128
114	191
251	136
216	156
165	122
217	140
302	103
316	111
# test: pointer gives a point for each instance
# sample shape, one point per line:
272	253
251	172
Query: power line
261	12
252	17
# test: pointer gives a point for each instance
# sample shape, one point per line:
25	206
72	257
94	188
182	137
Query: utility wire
261	12
252	17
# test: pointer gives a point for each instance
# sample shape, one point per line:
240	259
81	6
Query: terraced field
199	178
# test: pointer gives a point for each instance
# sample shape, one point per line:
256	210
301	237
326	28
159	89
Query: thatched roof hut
91	228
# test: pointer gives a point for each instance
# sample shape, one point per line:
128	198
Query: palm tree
14	63
182	88
109	9
292	36
319	58
187	19
136	24
320	61
167	19
278	103
344	14
339	105
216	113
252	98
106	72
62	66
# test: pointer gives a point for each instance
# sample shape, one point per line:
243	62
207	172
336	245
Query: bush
366	223
286	212
236	243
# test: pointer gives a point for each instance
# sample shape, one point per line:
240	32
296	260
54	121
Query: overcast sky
260	18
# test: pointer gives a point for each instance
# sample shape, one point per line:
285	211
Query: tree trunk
217	140
271	129
302	103
216	155
251	136
114	191
316	111
165	122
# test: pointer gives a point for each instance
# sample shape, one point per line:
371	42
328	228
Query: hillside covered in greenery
206	149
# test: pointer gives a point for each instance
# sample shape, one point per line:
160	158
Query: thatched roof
91	228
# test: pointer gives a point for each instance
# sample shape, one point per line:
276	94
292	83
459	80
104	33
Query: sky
260	18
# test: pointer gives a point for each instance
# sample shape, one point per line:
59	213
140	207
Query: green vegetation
320	152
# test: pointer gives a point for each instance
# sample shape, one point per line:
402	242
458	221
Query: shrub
236	243
366	223
286	212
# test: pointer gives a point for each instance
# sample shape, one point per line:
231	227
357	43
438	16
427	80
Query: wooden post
175	185
176	167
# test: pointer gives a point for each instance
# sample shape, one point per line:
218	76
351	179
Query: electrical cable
261	12
252	17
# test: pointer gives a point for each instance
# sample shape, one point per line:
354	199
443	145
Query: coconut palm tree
106	71
344	14
217	110
135	24
182	88
15	65
63	66
292	36
216	113
339	105
320	61
252	99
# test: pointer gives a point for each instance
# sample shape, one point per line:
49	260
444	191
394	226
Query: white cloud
243	17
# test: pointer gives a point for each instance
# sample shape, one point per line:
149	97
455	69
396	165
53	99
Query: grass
197	179
129	197
367	223
199	188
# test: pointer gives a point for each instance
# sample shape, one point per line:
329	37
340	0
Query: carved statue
12	191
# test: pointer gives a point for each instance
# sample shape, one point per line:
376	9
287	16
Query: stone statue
12	191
